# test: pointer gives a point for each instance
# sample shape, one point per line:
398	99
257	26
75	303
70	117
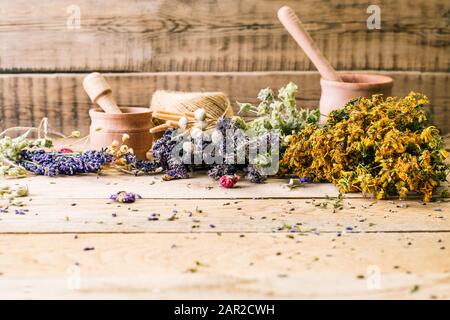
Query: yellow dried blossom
125	137
75	134
380	146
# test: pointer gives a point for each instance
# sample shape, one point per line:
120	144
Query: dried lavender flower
125	197
52	164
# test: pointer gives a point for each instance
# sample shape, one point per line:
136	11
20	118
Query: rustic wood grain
411	266
238	247
293	216
26	98
236	250
225	35
200	186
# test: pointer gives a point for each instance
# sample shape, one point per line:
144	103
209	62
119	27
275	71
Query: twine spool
216	104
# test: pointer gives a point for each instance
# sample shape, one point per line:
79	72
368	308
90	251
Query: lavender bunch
137	166
162	149
162	154
53	164
176	172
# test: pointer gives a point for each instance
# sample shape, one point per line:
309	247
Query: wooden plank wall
42	60
27	98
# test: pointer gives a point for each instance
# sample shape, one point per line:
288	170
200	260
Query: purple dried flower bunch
54	163
174	168
162	159
137	166
242	144
57	163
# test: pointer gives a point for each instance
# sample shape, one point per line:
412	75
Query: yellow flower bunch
372	145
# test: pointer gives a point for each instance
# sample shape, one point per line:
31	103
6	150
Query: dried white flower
200	114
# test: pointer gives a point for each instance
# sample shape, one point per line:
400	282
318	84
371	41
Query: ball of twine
216	104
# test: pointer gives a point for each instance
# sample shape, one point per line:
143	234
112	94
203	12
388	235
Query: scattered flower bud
21	191
9	196
17	203
5	189
296	183
125	197
115	144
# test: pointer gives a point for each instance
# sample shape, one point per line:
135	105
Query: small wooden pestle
100	92
293	25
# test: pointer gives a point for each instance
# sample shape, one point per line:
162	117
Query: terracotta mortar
107	127
337	89
336	94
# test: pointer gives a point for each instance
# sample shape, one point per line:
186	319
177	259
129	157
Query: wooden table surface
255	241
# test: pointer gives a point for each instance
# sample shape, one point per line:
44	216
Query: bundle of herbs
11	150
384	147
234	146
21	156
177	153
279	114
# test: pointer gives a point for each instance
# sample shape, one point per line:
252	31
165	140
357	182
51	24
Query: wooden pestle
293	25
100	92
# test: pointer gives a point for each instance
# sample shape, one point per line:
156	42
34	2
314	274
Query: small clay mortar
133	121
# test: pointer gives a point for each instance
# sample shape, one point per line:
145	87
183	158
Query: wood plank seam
47	93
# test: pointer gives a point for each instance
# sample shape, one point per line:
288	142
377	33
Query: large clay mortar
335	94
337	89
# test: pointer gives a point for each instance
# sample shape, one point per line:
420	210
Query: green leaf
244	107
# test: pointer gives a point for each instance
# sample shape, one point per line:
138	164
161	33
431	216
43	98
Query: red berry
228	181
65	150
